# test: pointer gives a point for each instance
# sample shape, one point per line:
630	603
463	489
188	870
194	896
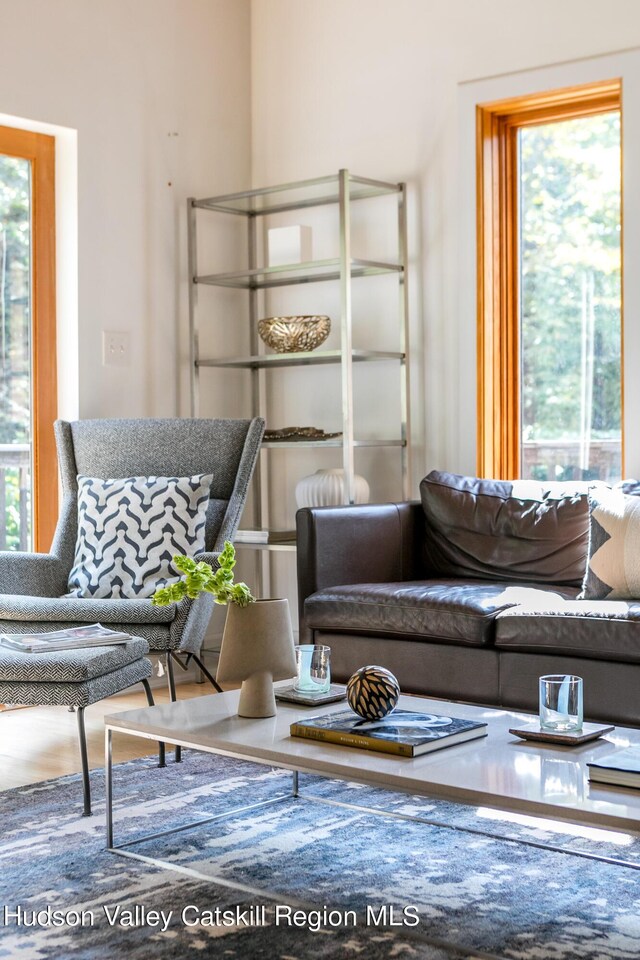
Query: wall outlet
115	349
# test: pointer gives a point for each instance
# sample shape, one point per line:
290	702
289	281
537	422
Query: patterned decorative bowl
294	334
373	692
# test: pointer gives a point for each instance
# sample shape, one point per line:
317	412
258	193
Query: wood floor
39	743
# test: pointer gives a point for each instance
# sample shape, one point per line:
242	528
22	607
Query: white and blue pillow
613	564
129	530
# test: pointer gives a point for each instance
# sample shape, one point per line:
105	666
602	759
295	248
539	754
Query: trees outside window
550	307
28	375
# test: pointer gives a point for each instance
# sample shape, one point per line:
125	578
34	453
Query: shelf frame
341	190
250	279
303	359
364	189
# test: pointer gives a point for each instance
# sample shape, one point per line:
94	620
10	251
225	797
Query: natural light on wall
569	240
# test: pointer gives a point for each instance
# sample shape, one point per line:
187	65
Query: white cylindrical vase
325	488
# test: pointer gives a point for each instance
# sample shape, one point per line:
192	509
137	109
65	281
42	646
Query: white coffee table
498	771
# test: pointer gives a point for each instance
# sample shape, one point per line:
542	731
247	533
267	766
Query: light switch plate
115	348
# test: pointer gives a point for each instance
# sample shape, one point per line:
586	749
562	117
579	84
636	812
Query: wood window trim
498	366
39	150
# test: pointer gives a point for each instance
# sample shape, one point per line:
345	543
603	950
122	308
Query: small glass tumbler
561	703
313	663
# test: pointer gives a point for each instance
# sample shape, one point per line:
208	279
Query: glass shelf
296	196
267	360
337	442
312	271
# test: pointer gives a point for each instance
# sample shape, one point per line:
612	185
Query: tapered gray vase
257	648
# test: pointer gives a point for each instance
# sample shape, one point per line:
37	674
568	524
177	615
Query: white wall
373	85
159	94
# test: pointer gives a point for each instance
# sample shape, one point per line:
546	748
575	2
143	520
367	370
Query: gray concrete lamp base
256	696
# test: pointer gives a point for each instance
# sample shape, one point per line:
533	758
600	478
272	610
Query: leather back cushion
505	529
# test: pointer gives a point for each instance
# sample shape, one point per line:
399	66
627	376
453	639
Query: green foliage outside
15	323
571	279
200	578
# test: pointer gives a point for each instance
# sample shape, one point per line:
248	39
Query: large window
550	309
28	473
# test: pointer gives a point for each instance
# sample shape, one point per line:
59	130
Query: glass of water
314	669
561	703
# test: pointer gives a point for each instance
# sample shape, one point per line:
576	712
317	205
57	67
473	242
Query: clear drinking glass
313	663
561	703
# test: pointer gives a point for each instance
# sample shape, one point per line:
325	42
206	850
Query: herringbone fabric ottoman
75	678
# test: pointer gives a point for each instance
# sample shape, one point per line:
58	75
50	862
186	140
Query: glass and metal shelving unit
342	189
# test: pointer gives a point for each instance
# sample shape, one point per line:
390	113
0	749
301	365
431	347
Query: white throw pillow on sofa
129	530
613	565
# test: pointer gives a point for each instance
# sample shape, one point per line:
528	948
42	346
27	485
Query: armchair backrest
111	449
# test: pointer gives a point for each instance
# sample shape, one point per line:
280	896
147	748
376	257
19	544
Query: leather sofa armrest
367	543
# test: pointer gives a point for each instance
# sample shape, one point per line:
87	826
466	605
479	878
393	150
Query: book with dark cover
621	768
403	732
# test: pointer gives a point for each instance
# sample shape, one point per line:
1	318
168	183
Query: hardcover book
621	768
403	732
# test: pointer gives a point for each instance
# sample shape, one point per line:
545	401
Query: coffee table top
497	771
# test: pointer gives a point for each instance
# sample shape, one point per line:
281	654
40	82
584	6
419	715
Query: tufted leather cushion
445	610
596	629
505	530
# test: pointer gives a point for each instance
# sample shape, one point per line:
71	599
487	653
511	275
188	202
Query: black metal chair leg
209	677
171	677
161	750
172	694
86	784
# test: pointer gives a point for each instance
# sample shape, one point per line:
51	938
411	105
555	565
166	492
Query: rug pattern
475	896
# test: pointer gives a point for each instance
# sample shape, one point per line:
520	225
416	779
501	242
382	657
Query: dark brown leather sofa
468	595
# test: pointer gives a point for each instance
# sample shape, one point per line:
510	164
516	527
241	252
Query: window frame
498	295
39	150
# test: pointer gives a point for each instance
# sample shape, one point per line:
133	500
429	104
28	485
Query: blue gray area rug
300	880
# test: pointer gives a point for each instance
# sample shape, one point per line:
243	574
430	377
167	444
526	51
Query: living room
401	129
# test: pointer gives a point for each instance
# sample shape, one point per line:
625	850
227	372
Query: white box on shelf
288	245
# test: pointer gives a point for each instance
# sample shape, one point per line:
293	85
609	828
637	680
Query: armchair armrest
368	543
32	574
210	558
192	617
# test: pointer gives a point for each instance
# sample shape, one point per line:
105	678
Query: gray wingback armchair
32	586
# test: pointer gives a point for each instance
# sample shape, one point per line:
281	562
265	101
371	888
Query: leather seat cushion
447	610
595	629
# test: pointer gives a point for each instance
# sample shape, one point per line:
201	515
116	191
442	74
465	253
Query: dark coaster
590	731
289	695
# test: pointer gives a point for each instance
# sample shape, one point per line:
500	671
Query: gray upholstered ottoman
75	678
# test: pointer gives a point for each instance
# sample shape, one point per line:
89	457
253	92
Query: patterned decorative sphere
373	692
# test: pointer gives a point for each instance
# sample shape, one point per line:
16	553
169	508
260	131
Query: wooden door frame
498	361
39	150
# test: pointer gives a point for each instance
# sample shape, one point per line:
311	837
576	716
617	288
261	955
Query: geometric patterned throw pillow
129	530
613	565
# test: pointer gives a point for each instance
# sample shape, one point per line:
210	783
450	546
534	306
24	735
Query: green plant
199	577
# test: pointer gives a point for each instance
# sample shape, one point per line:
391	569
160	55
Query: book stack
265	536
403	732
74	638
619	769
